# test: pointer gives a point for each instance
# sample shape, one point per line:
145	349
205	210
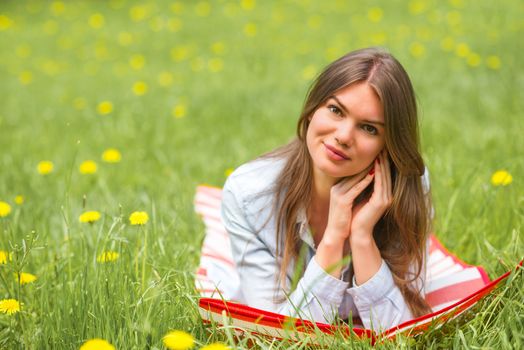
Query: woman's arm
379	301
318	294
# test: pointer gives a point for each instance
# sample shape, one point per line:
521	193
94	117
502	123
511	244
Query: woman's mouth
334	153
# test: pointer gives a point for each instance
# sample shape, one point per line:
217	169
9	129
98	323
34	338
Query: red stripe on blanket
454	292
215	192
437	245
218	257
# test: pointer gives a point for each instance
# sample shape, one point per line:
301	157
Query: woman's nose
345	134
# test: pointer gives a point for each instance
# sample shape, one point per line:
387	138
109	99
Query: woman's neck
321	189
318	209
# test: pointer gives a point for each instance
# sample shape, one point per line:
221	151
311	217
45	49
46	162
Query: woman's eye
335	110
370	129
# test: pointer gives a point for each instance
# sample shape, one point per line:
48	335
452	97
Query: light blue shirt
248	216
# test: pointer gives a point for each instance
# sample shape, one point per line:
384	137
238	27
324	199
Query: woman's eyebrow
344	108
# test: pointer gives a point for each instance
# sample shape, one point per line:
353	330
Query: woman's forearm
365	256
329	255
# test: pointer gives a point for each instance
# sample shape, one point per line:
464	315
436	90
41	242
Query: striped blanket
452	286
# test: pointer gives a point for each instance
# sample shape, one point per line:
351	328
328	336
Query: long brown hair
402	231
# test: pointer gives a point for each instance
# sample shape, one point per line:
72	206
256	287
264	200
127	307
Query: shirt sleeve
379	301
318	295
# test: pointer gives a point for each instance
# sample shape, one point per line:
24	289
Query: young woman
335	222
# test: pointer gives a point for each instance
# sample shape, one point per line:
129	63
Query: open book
452	286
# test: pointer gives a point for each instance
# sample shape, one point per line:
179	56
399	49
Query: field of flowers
112	112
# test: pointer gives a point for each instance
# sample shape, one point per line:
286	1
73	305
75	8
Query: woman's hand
334	244
342	197
368	213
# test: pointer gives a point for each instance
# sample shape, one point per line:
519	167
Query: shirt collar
303	228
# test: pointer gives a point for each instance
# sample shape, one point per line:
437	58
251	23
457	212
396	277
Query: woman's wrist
361	238
329	255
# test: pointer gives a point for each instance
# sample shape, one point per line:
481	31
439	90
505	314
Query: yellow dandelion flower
140	88
137	62
57	8
417	50
107	256
138	13
493	62
228	171
125	38
25	278
332	53
454	18
375	14
45	167
97	344
23	51
309	72
9	306
218	48
447	44
89	216
250	29
88	167
19	199
165	79
174	24
501	178
247	5
179	110
178	340
314	22
79	103
215	65
215	346
379	38
417	7
203	9
26	77
5	257
177	7
111	155
5	209
179	53
473	59
138	218
101	52
104	107
5	22
96	21
457	3
462	50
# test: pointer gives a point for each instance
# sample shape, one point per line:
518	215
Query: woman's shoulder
256	177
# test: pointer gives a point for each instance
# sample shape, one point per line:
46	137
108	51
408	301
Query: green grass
56	68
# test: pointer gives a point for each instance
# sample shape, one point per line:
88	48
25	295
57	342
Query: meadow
122	108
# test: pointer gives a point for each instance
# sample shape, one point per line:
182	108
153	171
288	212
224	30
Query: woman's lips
334	153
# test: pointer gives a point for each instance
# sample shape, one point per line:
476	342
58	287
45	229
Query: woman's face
346	133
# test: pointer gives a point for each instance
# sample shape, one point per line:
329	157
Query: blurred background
185	91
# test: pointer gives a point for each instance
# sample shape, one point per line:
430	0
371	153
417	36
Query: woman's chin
337	173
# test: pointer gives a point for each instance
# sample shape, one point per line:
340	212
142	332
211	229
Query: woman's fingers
389	185
360	186
383	181
347	184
